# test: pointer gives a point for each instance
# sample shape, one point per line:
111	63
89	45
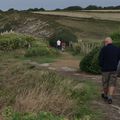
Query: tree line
91	7
70	8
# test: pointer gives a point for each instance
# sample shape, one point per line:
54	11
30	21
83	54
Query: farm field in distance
87	25
103	14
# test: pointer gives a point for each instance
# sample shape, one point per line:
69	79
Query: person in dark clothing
108	60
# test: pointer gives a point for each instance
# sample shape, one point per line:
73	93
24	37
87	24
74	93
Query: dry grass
39	100
84	47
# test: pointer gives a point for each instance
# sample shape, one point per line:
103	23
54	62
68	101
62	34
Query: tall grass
84	47
31	89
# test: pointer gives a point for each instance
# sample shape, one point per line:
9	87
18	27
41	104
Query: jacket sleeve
101	57
119	55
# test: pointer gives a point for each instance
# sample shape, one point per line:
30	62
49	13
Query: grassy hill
45	26
87	25
26	23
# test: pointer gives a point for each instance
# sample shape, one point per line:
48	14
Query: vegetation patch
29	89
10	114
41	51
84	47
90	62
10	42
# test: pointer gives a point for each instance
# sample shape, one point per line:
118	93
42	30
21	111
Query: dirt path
68	66
66	61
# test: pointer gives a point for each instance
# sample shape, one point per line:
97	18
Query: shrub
64	35
90	62
10	42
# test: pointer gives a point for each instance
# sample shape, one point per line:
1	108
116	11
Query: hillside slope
26	23
45	26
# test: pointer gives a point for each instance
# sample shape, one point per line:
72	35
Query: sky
53	4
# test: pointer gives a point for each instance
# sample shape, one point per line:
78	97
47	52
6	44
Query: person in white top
58	44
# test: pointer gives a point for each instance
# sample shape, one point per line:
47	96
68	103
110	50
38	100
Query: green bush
64	35
13	41
40	51
90	62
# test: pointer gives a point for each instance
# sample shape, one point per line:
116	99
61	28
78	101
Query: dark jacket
109	58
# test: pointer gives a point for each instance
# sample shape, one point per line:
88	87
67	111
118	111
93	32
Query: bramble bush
10	42
90	62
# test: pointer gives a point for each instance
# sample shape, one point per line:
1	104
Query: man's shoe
104	96
109	101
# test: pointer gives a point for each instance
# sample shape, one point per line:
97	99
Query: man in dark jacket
108	60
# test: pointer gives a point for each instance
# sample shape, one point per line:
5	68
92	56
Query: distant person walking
59	44
63	45
108	59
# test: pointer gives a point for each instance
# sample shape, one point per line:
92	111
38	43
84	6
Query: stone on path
51	68
45	65
68	69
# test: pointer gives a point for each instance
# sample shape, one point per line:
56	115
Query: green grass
19	55
43	59
9	114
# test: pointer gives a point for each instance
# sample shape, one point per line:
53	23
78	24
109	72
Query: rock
52	68
68	69
45	65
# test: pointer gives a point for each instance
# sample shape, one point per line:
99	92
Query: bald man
108	60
